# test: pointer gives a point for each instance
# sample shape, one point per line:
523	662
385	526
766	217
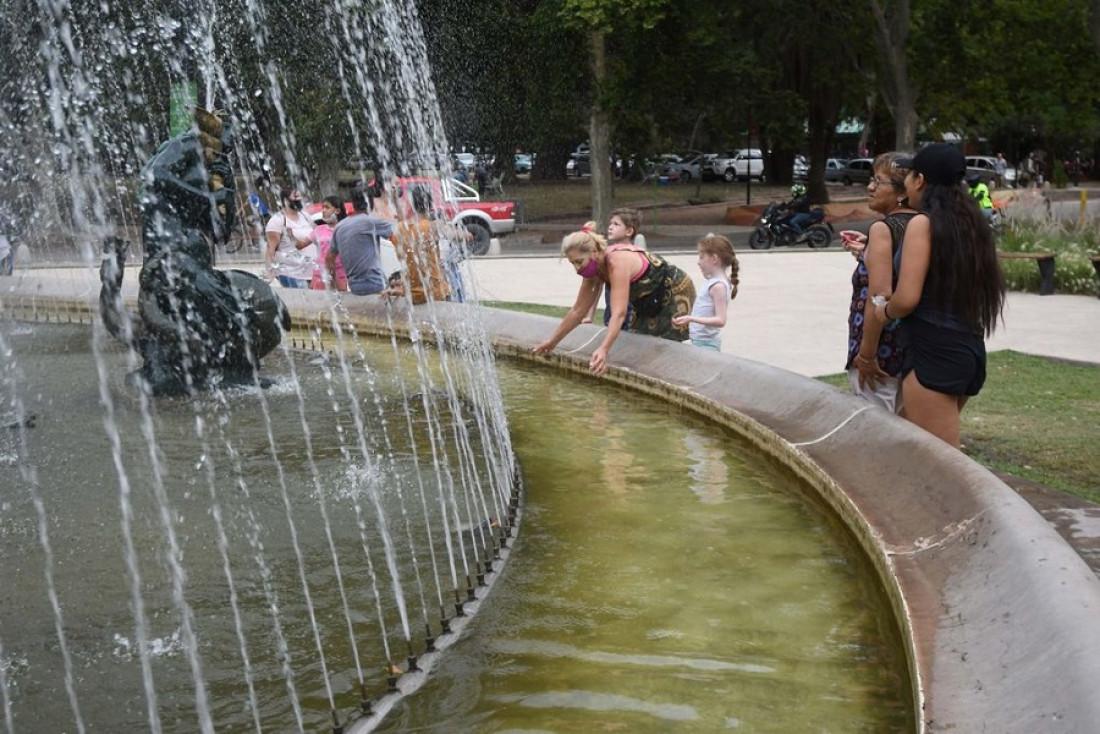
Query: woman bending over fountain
950	292
655	289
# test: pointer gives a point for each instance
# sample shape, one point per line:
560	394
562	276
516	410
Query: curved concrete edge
1001	616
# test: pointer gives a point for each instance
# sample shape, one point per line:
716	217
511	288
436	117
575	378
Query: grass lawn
1036	418
537	308
573	198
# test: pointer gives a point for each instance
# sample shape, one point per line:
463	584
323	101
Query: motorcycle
774	230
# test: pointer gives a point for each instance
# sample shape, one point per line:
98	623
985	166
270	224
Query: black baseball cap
940	163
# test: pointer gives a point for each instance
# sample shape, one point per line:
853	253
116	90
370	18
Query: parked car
579	164
984	166
857	171
465	161
801	168
689	167
736	166
834	168
523	162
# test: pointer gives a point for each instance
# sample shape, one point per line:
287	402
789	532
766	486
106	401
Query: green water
667	578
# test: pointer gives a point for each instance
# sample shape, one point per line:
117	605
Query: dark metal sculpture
196	327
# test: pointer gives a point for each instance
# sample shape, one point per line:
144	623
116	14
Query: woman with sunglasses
874	355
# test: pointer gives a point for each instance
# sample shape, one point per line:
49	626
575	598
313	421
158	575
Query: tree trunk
892	36
599	135
905	119
821	130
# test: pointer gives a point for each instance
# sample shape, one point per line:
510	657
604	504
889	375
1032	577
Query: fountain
364	487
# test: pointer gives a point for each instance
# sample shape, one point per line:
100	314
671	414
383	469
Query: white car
465	161
985	167
736	166
834	168
800	171
689	167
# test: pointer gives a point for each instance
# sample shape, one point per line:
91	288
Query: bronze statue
196	327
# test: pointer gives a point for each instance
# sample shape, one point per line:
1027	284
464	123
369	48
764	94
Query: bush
1059	178
1073	271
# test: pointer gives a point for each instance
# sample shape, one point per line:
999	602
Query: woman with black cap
950	292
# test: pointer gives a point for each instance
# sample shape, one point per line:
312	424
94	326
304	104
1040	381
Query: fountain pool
669	574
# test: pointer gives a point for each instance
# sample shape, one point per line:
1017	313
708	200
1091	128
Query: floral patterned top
889	350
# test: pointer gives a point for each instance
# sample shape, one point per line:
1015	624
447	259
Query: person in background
1000	168
719	266
417	244
874	354
290	251
481	176
327	217
259	207
980	191
626	222
950	292
355	242
656	289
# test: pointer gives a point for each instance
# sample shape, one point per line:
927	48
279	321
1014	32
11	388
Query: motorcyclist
980	191
797	210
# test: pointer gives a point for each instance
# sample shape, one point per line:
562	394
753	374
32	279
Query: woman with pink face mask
655	289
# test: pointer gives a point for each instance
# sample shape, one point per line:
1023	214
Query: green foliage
608	15
1019	71
1059	177
1073	271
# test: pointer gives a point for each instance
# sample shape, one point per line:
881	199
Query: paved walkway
792	307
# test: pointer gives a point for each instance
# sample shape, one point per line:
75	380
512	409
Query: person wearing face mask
656	290
331	212
290	251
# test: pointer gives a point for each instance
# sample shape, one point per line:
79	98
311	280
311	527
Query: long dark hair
964	276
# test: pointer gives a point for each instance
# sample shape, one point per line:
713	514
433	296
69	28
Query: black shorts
945	360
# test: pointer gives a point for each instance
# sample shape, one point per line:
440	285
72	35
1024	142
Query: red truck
459	204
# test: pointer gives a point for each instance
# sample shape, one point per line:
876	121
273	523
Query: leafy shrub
1073	271
1059	178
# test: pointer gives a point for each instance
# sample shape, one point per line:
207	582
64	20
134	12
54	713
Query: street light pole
748	163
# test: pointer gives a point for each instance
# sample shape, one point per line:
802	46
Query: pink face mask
590	270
